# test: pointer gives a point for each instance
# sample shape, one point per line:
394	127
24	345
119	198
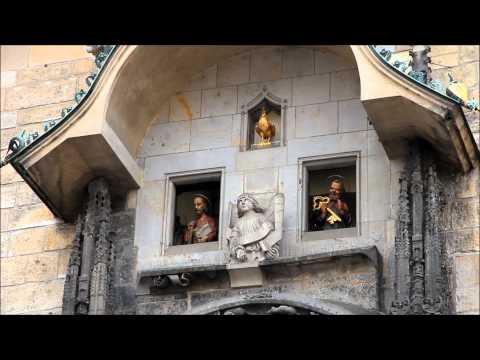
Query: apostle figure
204	227
333	213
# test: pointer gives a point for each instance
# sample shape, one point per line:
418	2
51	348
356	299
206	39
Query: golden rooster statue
265	129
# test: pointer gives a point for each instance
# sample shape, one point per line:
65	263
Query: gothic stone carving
254	232
88	283
420	279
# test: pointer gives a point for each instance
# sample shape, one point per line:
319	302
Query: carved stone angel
254	232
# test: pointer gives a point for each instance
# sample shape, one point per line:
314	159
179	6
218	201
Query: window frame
307	164
188	177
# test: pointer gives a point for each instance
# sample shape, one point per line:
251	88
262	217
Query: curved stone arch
319	306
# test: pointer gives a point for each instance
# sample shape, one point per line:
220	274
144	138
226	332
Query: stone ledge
370	252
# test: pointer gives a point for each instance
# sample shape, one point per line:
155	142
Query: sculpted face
336	190
244	204
200	205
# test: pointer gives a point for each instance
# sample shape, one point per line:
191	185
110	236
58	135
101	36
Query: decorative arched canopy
103	134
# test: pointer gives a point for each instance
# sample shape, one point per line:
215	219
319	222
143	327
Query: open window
193	212
330	198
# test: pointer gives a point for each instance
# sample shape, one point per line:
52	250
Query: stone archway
266	303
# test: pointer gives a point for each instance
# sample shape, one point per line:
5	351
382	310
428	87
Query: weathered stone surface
314	120
352	116
5	215
467	73
59	236
166	138
163	114
464	240
234	186
467	301
185	106
207	79
280	88
345	85
31	297
7	79
4	240
298	61
326	62
234	71
29	268
8	174
157	167
258	159
14	57
378	188
8	193
54	71
311	89
443	49
469	53
41	113
209	133
236	130
30	216
219	101
162	308
374	145
8	119
26	241
40	93
326	144
288	186
43	54
63	259
465	213
445	60
261	180
25	195
467	271
468	185
6	135
266	65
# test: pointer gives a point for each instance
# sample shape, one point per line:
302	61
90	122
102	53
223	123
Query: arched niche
276	109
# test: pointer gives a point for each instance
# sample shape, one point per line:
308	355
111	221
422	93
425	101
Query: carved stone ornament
254	231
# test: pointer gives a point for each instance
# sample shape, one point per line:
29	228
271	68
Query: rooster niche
265	129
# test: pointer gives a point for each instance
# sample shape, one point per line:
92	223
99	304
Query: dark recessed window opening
197	209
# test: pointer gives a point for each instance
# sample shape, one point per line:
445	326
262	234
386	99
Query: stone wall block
352	116
266	65
220	101
326	62
7	79
29	268
469	53
166	138
185	106
31	216
40	93
298	61
8	194
8	119
258	159
345	85
209	133
41	113
206	79
280	88
313	89
32	297
314	120
54	71
25	195
261	180
234	71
